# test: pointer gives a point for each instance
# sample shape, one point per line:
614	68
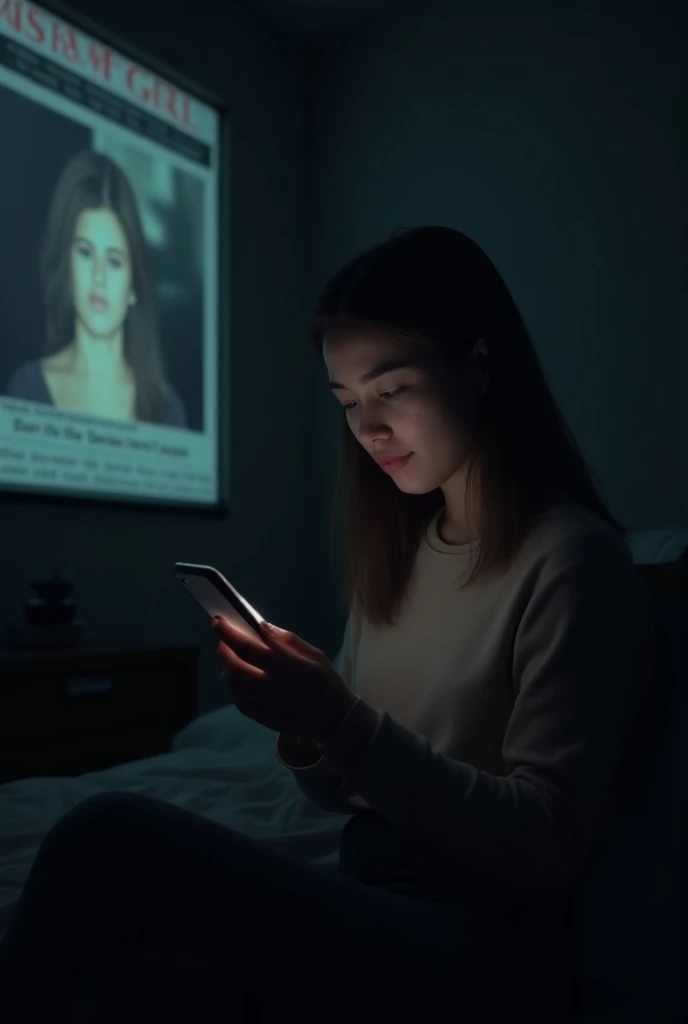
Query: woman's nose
99	271
373	430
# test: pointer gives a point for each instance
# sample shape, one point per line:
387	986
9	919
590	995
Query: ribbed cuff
280	744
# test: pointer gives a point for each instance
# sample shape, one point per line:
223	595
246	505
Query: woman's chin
415	486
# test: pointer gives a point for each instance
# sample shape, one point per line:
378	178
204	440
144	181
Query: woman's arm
319	780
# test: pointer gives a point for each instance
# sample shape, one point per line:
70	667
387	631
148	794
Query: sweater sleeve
581	655
321	781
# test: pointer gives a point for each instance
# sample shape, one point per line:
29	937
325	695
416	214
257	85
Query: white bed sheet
223	767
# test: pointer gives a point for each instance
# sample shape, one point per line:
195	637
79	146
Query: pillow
655	547
225	730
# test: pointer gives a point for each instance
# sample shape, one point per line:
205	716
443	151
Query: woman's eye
384	394
116	262
82	250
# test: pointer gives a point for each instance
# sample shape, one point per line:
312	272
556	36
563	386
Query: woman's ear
479	359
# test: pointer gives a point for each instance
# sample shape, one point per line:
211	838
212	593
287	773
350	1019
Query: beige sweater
491	720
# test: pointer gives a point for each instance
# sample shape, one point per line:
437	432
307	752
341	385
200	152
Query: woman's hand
282	682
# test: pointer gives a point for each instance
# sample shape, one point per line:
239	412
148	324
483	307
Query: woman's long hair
91	180
436	285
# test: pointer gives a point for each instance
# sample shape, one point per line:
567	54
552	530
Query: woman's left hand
282	682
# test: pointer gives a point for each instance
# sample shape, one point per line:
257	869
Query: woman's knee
98	817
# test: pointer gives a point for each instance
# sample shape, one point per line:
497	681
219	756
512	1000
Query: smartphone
217	596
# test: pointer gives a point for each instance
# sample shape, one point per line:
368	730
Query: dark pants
137	910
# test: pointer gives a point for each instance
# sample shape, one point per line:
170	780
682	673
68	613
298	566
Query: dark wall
121	559
559	141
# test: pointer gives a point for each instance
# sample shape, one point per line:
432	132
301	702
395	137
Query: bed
223	766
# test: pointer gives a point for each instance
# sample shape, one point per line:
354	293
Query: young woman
102	350
496	651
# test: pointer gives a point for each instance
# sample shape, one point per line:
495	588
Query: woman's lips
98	302
394	464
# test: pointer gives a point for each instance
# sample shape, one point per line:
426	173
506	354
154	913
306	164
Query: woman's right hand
299	752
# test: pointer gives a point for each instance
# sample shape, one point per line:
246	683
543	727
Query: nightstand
81	710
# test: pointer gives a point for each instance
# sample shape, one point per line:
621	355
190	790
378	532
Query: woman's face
425	408
101	272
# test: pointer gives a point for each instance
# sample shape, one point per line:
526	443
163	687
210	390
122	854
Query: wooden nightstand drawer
90	752
68	712
68	703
